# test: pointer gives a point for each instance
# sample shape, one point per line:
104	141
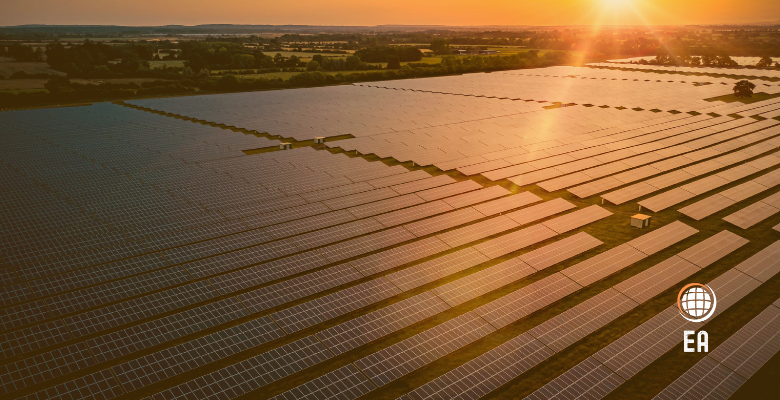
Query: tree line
62	90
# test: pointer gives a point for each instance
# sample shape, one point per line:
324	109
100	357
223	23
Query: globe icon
696	302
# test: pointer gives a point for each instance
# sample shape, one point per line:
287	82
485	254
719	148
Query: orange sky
369	12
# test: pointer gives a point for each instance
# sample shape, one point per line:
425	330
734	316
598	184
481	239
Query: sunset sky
410	12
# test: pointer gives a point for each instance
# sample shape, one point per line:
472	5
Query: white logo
696	302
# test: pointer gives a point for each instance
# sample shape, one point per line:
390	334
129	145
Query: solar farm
459	237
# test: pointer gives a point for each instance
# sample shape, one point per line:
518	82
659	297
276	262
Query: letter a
702	340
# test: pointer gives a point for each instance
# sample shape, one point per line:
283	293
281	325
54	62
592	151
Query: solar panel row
468	380
727	367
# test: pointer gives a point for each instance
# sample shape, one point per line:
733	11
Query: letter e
687	341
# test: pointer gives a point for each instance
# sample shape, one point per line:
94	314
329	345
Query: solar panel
635	350
539	211
15	294
583	319
565	181
713	248
738	172
411	354
629	193
577	219
398	179
707	379
339	303
344	383
423	184
518	304
308	224
442	222
535	176
179	238
650	282
341	191
429	271
666	199
481	167
387	205
23	314
661	238
588	379
366	244
486	372
514	241
119	314
33	338
398	256
707	206
147	370
480	230
603	265
166	329
764	264
253	373
507	203
595	187
246	257
563	249
477	196
248	277
359	198
336	233
100	384
283	292
448	190
746	351
274	226
96	296
751	215
484	281
43	367
93	275
369	327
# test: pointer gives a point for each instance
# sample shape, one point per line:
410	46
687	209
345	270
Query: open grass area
166	63
8	66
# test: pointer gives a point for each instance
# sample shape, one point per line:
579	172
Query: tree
279	60
229	81
131	61
724	60
318	58
313	66
57	84
393	62
352	63
440	46
707	59
196	63
764	62
744	89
